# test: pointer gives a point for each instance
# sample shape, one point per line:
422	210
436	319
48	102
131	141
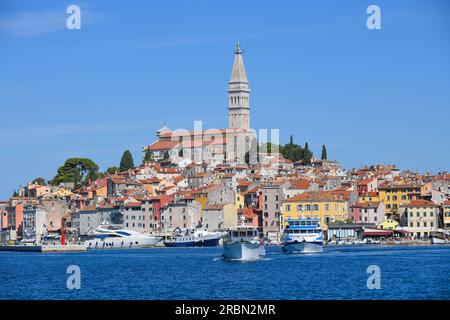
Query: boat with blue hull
303	235
193	238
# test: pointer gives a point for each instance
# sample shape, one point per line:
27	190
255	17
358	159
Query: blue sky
315	70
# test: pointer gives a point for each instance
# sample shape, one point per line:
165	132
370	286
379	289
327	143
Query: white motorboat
243	243
114	237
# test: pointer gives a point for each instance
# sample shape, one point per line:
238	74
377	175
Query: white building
34	228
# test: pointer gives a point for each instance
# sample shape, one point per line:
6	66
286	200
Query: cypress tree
324	152
126	163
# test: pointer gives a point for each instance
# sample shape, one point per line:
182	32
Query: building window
288	207
299	207
308	207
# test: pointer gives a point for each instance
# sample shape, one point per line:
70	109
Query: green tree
126	163
291	140
112	170
148	156
166	155
15	194
40	181
79	171
307	155
324	152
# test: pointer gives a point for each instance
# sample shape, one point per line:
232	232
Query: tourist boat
303	235
243	243
114	237
440	237
193	238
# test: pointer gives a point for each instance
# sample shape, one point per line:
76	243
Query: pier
44	248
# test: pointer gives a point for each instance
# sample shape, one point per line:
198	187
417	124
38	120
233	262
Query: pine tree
291	140
126	163
324	152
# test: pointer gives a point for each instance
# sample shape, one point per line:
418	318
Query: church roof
238	73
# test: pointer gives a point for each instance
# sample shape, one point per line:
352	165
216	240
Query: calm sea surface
200	273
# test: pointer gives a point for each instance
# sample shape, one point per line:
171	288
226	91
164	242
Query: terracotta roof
316	196
162	145
421	203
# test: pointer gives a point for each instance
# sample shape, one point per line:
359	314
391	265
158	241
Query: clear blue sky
314	68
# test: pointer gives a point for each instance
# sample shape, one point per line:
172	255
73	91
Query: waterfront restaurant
338	231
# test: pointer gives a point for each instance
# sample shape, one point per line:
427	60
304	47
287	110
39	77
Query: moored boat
440	237
181	238
243	243
114	237
303	235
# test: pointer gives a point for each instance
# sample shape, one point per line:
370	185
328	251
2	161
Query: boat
303	235
181	238
114	237
243	243
193	238
440	237
205	238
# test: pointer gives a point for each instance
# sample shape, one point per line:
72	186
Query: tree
166	155
40	181
307	155
15	194
79	171
126	163
148	156
112	170
324	152
291	140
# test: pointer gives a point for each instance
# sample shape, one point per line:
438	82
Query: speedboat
303	235
114	237
243	243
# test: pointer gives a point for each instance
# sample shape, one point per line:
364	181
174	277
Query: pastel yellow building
327	206
239	200
397	195
369	197
389	223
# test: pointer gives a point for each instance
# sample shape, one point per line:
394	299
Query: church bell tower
238	94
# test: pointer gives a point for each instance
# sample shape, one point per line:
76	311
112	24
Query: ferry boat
243	243
114	237
193	238
303	235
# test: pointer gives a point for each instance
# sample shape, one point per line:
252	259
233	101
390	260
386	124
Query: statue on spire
238	48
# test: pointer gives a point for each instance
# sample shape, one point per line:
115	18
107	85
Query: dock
44	248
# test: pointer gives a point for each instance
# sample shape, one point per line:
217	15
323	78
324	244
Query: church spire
238	73
238	94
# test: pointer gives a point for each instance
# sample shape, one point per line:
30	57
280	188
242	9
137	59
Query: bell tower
238	94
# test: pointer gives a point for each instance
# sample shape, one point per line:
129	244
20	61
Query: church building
228	145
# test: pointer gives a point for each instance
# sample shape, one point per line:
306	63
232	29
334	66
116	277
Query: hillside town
218	179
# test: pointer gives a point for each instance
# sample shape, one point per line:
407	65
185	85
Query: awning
378	233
